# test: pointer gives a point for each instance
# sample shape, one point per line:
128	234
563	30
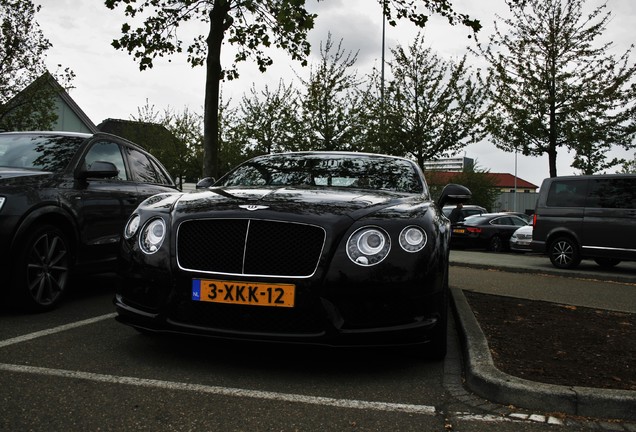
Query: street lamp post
515	193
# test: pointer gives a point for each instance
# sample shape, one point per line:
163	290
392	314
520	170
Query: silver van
580	217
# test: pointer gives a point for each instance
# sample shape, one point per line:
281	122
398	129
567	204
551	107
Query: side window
567	193
499	221
518	222
613	193
106	151
162	176
141	167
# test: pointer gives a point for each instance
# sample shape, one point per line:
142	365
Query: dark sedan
490	231
343	249
64	200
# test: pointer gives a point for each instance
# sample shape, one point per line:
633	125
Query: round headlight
368	246
413	239
131	227
152	236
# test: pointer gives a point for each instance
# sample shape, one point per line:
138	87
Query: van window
567	193
613	193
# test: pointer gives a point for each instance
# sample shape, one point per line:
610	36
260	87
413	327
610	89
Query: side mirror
205	183
453	194
99	169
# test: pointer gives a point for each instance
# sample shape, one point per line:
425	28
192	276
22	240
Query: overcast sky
108	83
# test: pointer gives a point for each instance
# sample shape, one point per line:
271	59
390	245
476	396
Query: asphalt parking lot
76	368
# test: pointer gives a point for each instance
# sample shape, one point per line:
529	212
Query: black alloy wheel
42	269
564	253
495	244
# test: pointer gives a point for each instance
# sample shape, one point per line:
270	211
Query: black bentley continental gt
331	248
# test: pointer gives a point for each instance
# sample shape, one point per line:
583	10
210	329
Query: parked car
521	238
329	248
490	231
587	216
466	210
64	200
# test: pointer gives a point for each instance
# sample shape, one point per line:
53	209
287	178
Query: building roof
85	123
147	135
501	180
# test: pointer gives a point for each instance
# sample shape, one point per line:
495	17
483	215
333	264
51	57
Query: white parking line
236	392
54	330
224	391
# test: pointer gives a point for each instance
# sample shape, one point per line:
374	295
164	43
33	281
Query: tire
42	268
564	253
495	244
607	262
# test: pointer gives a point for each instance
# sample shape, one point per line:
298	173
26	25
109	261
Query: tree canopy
251	26
23	49
432	107
553	87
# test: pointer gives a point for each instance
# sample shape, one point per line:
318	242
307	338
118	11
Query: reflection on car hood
7	173
354	202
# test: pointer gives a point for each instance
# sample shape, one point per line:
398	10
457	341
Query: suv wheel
564	253
495	244
42	269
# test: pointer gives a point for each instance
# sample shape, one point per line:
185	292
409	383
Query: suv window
142	168
613	193
106	151
161	174
567	193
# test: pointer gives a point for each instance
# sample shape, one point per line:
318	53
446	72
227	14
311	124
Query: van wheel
495	244
564	253
607	262
42	269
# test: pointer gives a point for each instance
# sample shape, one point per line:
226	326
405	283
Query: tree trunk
218	22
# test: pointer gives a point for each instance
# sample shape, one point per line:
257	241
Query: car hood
310	202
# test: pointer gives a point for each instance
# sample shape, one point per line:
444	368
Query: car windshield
42	152
328	170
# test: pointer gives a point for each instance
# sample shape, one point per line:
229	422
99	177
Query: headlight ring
131	227
413	239
152	235
368	246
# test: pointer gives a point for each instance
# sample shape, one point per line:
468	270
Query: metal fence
523	202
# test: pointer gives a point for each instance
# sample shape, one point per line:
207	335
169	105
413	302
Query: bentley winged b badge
252	207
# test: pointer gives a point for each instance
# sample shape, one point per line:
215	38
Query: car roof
466	206
84	135
336	153
490	216
50	133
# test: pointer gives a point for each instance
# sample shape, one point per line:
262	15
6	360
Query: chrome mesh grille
249	247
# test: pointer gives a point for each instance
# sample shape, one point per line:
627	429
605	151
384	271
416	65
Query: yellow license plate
459	230
243	293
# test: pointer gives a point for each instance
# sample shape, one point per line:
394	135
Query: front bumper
338	315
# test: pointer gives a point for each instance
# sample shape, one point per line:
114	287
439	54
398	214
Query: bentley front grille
249	247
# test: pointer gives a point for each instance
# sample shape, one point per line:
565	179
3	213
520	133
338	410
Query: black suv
580	217
64	200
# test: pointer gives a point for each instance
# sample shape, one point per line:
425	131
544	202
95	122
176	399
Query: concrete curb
484	379
483	261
